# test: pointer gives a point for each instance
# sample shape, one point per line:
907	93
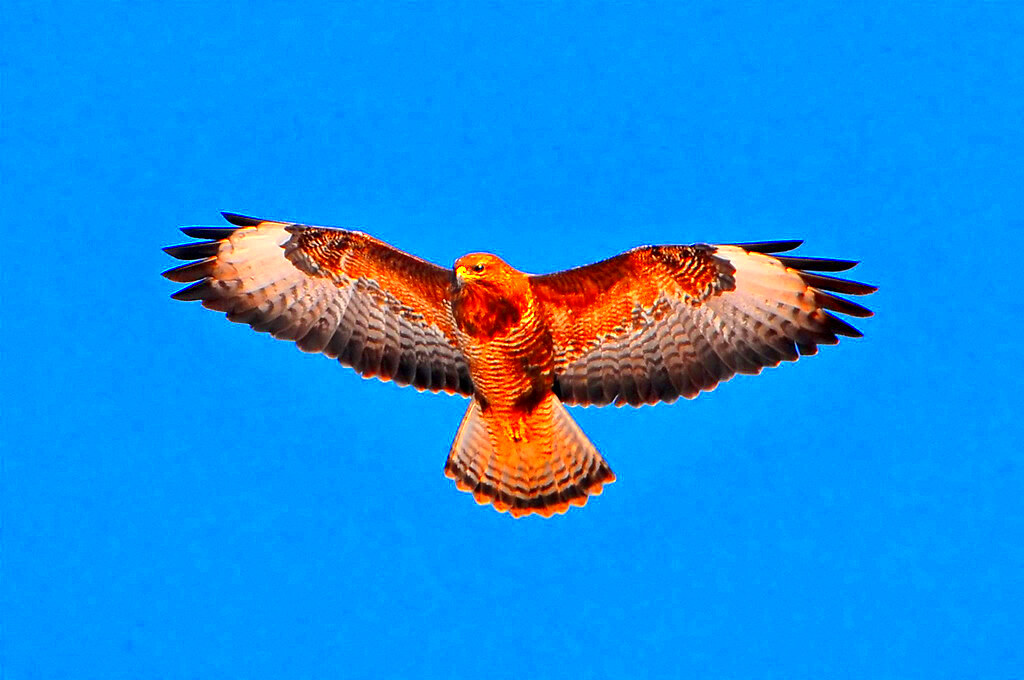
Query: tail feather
541	464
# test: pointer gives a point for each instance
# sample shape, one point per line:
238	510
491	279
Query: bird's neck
484	310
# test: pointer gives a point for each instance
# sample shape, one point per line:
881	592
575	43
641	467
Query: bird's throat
483	311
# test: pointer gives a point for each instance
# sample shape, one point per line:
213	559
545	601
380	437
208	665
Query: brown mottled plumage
652	324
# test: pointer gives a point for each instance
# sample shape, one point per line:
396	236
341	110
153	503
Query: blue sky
184	498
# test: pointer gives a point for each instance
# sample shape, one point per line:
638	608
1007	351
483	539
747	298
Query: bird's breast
509	350
483	313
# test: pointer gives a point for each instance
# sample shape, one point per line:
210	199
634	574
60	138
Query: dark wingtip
837	285
211	233
193	251
197	291
840	327
769	246
241	220
817	264
193	271
841	305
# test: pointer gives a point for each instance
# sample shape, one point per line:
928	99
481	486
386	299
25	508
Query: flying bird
649	325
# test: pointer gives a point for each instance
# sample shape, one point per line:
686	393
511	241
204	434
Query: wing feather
769	246
817	264
660	322
342	293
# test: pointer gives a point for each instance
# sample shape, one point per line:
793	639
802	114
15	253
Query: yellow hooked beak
464	273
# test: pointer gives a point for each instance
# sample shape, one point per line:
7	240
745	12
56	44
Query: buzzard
652	324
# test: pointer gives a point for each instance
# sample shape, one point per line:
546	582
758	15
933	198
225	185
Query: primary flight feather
651	324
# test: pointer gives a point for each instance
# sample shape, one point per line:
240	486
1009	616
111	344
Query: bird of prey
649	325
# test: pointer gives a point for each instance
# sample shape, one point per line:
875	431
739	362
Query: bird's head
484	268
488	296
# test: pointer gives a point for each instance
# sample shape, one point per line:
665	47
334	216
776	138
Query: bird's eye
478	267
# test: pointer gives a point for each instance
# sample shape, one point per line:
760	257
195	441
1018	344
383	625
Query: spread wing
348	295
660	322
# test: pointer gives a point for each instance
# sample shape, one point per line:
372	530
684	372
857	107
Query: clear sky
184	498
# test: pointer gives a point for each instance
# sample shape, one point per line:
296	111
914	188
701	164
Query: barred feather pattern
552	467
648	325
629	331
338	292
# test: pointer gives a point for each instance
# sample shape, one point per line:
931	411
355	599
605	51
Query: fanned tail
543	463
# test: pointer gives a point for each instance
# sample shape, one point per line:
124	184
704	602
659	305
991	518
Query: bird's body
649	325
529	454
501	333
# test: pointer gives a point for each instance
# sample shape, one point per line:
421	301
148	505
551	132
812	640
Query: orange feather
648	325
